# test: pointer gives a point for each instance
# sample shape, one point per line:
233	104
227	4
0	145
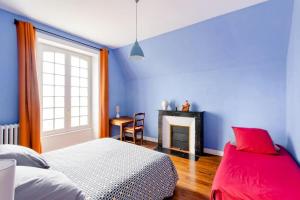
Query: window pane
48	102
83	120
74	61
74	121
48	90
60	58
48	79
59	80
47	125
59	123
48	56
83	101
59	112
83	82
48	113
59	91
75	91
59	69
74	81
48	67
59	101
83	73
74	101
83	92
83	111
75	111
75	71
83	63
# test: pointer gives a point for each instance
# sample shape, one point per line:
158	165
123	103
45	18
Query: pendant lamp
136	52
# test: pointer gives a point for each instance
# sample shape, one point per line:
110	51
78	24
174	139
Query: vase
164	105
117	111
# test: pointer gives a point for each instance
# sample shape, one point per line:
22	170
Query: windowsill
85	130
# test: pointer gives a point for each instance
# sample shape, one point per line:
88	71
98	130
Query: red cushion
254	140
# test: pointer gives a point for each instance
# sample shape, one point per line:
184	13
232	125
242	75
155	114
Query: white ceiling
112	22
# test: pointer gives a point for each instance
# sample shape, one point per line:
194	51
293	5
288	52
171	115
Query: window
65	89
79	91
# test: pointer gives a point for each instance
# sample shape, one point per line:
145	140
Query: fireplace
180	131
179	137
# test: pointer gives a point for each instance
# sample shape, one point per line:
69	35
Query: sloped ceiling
259	34
112	22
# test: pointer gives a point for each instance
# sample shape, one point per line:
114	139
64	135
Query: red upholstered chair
137	127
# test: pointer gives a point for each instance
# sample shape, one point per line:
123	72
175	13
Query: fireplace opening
179	137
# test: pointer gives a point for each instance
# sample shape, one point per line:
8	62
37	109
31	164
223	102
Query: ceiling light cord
136	19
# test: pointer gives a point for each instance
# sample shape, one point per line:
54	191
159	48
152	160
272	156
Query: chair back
139	120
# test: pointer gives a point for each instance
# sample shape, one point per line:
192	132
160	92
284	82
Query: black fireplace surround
198	127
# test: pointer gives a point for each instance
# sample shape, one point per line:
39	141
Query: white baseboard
151	139
206	150
213	152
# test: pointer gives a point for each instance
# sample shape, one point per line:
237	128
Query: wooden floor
195	177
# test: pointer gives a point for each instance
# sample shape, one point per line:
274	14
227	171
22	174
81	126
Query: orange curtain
104	100
29	105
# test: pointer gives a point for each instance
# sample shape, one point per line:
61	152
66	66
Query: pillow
232	142
23	155
253	140
44	184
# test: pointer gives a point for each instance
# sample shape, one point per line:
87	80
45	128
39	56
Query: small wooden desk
121	122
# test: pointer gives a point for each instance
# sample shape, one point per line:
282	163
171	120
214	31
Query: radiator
9	134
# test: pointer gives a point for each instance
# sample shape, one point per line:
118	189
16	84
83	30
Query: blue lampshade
136	52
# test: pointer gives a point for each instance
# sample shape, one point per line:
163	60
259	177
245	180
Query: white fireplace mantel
178	121
193	120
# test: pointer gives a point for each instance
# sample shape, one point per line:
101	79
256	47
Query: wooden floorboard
195	177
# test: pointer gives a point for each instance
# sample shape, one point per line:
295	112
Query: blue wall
293	85
9	67
233	67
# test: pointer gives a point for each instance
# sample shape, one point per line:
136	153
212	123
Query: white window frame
46	42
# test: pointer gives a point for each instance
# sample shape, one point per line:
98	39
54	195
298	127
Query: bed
244	175
111	169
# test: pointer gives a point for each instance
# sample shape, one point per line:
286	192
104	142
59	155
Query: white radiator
9	134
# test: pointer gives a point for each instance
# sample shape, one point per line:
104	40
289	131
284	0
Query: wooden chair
138	127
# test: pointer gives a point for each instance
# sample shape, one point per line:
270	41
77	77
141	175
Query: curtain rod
57	35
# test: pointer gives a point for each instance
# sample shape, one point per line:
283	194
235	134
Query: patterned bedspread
110	169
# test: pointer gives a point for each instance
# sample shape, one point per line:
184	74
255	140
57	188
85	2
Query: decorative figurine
117	111
186	106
